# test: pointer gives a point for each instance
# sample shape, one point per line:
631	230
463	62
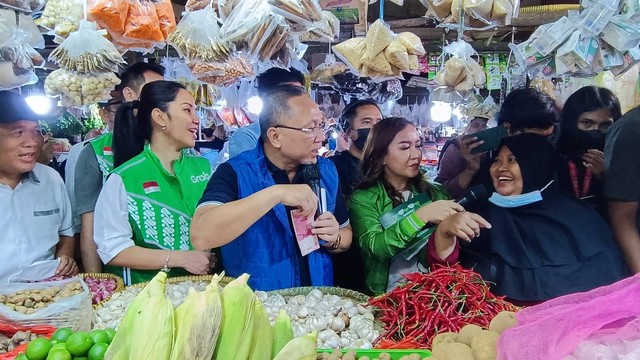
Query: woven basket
118	279
542	14
345	293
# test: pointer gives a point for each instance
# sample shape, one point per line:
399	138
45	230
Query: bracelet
166	262
336	244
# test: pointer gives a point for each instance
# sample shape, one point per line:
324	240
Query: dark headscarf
548	248
536	158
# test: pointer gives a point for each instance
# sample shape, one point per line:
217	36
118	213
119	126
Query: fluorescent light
254	105
40	104
441	111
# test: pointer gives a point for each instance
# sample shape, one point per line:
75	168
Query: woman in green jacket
395	209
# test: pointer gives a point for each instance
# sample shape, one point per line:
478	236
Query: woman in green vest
144	210
395	209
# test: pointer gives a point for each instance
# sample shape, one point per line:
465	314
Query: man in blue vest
248	205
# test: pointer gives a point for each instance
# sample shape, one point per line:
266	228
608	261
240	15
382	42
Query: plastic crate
375	353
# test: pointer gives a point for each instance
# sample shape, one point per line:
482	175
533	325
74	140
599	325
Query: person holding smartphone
458	164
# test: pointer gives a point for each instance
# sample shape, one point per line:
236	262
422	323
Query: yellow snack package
378	38
396	54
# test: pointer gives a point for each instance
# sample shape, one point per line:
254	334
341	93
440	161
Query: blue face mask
513	201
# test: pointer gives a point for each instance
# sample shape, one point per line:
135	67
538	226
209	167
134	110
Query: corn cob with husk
151	314
197	322
300	348
282	332
262	338
236	331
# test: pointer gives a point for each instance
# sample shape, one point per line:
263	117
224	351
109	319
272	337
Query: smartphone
491	138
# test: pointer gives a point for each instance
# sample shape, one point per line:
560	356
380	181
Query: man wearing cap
36	223
96	162
356	122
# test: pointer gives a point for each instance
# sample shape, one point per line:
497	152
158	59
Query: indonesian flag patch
150	187
107	151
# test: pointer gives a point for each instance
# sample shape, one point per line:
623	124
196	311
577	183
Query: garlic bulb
337	324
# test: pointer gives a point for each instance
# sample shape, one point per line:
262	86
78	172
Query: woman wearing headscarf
585	119
542	243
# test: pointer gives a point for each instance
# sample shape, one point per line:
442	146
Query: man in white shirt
37	219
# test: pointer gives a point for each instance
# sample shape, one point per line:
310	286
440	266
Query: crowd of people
562	215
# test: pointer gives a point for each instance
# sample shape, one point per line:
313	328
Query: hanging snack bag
64	14
412	42
226	7
109	14
269	37
502	12
352	52
87	51
397	55
378	38
164	10
323	73
17	60
440	8
142	23
479	9
244	21
304	13
197	36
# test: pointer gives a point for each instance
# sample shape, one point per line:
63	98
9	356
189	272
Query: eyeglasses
317	130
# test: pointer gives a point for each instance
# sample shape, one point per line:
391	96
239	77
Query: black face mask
582	141
363	134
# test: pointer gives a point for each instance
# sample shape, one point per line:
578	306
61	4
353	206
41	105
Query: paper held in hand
307	241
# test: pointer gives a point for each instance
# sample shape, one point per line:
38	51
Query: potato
445	338
449	351
467	333
485	345
503	321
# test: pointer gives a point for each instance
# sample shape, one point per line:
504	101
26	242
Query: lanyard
573	172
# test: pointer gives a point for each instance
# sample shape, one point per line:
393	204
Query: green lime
97	351
22	357
59	354
79	343
62	334
62	346
80	358
111	334
53	342
100	336
38	349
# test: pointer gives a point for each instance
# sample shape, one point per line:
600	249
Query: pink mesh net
602	324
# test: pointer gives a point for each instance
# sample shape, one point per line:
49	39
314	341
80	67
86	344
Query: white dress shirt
34	216
112	231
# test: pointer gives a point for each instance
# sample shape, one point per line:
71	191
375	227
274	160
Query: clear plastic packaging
87	51
63	14
553	37
378	38
226	7
244	20
222	74
143	23
327	30
109	14
80	90
17	60
622	33
20	5
596	16
304	13
197	36
67	312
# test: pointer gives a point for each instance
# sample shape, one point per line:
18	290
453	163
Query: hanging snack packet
301	12
109	14
166	17
244	21
502	12
226	7
396	54
378	38
412	42
479	9
197	36
379	64
87	51
143	23
351	52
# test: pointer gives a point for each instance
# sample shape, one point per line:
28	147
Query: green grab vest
104	153
161	205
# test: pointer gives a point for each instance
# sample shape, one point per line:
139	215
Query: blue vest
268	250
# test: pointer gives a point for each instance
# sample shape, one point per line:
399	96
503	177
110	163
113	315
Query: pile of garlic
109	314
340	322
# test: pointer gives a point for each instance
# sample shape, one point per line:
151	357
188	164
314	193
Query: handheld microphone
311	176
475	194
